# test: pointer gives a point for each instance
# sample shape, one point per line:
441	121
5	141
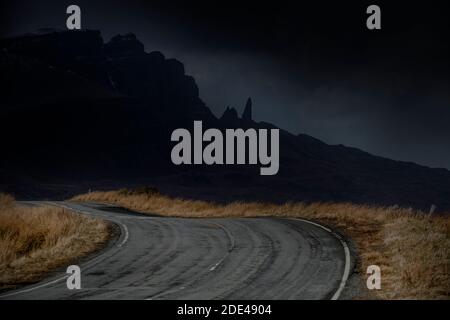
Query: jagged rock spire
230	114
247	114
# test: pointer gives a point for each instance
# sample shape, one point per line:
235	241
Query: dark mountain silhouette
78	113
247	114
230	116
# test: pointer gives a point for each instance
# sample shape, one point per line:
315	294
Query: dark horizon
308	68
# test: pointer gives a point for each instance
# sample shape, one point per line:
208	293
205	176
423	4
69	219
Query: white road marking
347	258
33	288
217	264
231	238
125	238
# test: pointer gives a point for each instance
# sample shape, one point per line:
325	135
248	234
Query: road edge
349	255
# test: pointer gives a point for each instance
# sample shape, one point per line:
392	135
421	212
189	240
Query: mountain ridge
99	111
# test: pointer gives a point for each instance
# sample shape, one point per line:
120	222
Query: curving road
175	258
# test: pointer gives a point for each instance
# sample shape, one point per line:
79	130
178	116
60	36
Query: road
177	258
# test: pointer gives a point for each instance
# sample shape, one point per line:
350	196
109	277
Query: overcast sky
309	69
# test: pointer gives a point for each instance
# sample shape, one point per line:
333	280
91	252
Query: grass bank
36	240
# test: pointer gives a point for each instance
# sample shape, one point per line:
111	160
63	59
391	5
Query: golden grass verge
36	240
412	248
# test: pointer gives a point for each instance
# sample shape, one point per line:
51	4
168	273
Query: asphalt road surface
176	258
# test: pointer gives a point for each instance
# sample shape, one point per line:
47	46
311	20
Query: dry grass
412	248
35	240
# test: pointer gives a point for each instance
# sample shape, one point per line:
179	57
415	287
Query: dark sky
310	68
